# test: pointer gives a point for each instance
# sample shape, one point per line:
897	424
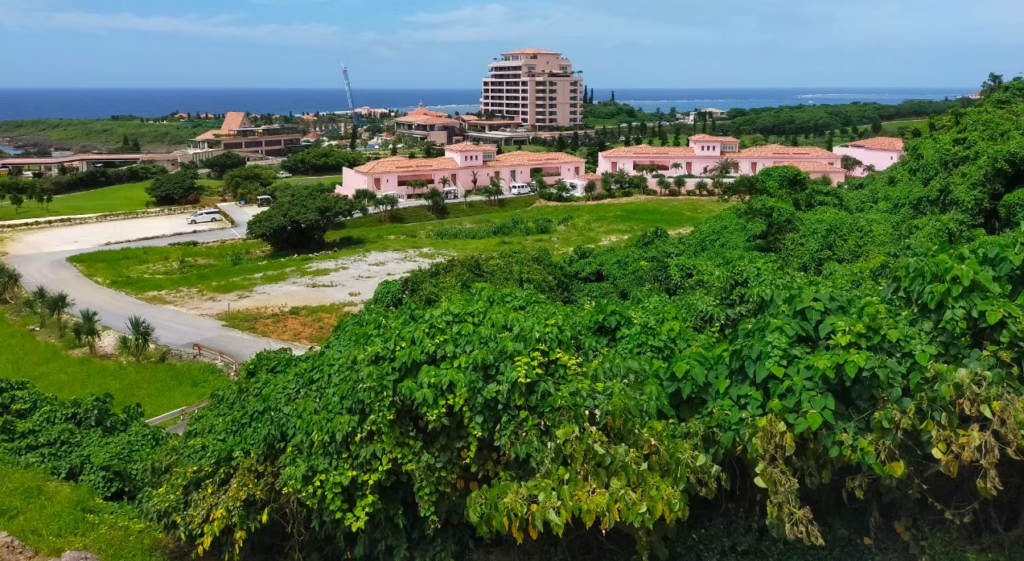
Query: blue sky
448	43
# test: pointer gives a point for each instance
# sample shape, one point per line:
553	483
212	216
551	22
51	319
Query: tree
37	303
676	166
139	338
16	201
493	190
725	166
992	85
325	159
394	148
386	206
10	279
664	185
418	184
876	126
223	163
590	188
474	178
366	199
87	329
57	305
435	202
679	182
246	183
180	187
352	141
301	217
849	163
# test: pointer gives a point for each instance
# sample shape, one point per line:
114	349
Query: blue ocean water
100	103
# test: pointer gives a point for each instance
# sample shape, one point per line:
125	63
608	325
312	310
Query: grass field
158	387
53	517
239	266
119	198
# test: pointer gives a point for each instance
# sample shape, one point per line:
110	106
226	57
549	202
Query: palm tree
57	305
676	166
37	304
87	329
725	166
10	278
138	339
474	178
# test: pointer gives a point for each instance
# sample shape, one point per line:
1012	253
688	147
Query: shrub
673	192
248	182
221	164
1011	209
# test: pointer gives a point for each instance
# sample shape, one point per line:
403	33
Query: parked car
451	194
205	216
520	189
283	175
264	200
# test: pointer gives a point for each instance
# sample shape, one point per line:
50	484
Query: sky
448	43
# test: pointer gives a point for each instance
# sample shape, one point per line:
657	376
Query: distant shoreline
42	103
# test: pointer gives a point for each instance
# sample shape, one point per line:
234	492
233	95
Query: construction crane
348	92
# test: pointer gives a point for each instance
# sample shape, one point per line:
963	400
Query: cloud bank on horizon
448	43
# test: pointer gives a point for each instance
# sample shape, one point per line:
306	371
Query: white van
520	189
204	216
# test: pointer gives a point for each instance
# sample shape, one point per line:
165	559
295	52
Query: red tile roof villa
456	170
880	152
705	151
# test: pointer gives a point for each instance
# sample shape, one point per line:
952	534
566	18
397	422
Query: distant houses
876	154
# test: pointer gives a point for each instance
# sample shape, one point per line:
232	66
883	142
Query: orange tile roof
470	147
469	118
779	151
426	120
521	158
709	138
531	51
644	150
398	164
812	166
211	135
591	177
235	120
880	143
308	117
424	111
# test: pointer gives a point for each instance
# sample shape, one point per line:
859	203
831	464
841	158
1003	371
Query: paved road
174	328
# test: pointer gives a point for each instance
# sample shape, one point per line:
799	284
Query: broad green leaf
814	420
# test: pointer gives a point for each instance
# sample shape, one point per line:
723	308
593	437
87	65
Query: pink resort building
881	152
702	156
459	165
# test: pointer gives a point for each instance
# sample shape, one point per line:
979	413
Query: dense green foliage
510	227
327	159
246	183
300	219
809	344
820	119
221	164
81	440
180	187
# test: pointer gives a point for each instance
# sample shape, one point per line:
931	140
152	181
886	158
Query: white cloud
221	27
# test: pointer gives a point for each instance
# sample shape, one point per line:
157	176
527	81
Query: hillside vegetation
815	373
99	134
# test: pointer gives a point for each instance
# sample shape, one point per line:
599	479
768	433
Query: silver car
204	216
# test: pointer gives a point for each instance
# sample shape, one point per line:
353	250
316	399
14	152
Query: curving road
174	328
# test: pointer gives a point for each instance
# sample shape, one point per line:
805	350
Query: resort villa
535	88
434	126
880	152
702	157
461	165
238	135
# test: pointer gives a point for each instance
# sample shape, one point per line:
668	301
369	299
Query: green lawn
158	387
102	133
53	517
238	266
119	198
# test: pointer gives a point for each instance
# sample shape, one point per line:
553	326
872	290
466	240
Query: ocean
101	103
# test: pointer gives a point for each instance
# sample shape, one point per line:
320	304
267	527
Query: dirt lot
63	238
351	279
